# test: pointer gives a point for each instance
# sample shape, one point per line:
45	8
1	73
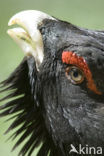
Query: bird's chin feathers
24	107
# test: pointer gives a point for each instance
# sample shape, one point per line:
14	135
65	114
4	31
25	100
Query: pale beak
29	37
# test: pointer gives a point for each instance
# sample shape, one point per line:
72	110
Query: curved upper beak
28	36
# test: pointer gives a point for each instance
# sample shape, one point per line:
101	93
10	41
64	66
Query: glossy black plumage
51	109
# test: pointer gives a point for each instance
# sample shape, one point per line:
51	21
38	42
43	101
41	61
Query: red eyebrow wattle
71	58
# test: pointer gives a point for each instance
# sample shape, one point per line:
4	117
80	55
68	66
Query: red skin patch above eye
71	58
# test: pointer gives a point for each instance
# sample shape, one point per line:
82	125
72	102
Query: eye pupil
75	74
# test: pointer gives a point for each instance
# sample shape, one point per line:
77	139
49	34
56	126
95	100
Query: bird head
60	84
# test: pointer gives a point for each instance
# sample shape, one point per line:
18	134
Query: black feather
26	111
49	111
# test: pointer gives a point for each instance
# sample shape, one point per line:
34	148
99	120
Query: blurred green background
84	13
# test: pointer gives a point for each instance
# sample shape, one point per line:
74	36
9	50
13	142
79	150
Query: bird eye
74	74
